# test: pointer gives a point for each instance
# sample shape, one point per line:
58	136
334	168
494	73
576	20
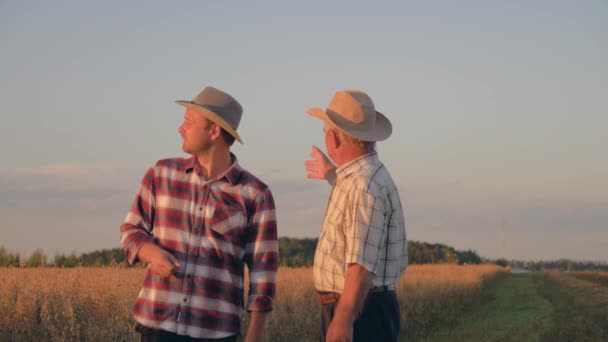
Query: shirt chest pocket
228	219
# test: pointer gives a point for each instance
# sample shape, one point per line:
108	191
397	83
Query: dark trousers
379	321
154	335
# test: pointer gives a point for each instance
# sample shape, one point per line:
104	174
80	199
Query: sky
498	108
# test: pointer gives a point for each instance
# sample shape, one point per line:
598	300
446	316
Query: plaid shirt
363	224
213	228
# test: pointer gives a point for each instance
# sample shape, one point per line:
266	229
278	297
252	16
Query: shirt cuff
259	303
369	266
135	245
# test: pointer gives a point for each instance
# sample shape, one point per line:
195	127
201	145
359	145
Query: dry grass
600	278
93	304
77	304
430	295
595	291
581	307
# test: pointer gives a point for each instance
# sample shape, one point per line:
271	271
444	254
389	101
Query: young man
362	249
196	222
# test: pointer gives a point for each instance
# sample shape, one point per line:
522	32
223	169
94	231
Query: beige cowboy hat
218	107
353	112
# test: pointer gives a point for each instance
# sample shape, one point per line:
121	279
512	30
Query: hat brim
211	116
382	128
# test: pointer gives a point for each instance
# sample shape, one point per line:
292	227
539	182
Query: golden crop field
94	304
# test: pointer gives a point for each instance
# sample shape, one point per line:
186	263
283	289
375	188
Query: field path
512	309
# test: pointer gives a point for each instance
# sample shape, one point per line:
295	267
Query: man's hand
320	167
339	330
255	332
162	263
358	282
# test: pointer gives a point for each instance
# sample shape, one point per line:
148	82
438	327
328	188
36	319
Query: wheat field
94	304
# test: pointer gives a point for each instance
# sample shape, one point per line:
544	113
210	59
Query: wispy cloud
64	206
60	170
80	207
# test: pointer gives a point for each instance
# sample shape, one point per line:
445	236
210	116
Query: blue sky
498	108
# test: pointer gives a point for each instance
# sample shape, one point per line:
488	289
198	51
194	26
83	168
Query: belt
327	297
332	297
384	288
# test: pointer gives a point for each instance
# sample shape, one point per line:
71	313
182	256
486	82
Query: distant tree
424	253
296	252
8	259
37	259
468	257
59	259
502	262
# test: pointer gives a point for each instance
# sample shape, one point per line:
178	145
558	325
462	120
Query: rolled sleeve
262	254
137	226
260	303
366	236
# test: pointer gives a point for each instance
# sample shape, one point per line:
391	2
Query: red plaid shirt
213	228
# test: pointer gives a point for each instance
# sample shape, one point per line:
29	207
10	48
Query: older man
362	248
196	222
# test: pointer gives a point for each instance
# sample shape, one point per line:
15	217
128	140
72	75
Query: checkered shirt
363	224
213	228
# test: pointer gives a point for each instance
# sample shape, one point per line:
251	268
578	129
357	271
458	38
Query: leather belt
332	297
384	288
327	297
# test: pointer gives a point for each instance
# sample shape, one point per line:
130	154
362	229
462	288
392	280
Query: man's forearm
145	252
255	331
356	287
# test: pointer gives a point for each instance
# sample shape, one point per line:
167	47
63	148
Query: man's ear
216	132
333	136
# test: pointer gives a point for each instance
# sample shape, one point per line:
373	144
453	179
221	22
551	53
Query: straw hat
353	112
218	107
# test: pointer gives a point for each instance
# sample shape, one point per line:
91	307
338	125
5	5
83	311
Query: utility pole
503	238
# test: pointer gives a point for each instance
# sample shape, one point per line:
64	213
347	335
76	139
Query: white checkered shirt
363	224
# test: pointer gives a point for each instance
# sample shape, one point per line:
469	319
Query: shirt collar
357	164
232	174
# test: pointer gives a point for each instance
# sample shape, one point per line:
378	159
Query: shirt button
185	299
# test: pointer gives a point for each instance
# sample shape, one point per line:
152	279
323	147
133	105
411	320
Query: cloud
60	170
65	207
80	207
65	178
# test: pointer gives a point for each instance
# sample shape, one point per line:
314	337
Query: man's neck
214	163
347	155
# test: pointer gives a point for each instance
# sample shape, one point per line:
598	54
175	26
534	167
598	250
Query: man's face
195	132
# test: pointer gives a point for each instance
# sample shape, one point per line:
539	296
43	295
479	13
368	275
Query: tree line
300	253
560	265
295	252
103	257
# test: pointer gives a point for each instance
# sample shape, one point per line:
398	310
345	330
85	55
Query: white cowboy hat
353	112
